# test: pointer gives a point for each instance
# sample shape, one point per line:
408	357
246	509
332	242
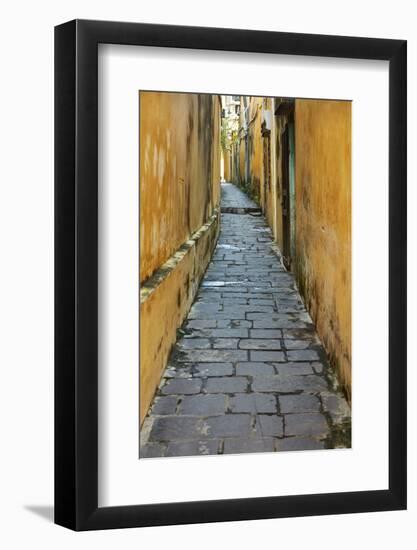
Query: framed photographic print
230	252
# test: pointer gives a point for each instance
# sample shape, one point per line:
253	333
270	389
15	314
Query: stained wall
227	165
323	223
179	194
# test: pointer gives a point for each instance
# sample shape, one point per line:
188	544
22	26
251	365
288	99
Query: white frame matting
123	479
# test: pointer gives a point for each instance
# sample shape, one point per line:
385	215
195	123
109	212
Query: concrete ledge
165	300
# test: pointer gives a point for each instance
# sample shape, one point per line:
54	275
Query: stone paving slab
242	445
203	405
248	372
253	403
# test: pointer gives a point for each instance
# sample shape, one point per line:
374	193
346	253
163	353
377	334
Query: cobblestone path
248	372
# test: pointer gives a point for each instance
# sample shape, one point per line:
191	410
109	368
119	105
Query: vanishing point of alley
248	372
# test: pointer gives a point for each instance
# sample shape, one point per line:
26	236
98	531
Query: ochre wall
240	180
250	176
274	206
179	171
268	196
255	183
179	193
323	223
165	305
227	165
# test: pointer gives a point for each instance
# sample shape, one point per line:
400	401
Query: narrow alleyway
236	201
248	372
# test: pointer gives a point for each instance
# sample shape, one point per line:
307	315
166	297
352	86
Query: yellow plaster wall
254	185
180	158
242	159
323	223
166	307
274	207
227	165
179	171
268	193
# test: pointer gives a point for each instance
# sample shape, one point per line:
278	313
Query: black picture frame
76	272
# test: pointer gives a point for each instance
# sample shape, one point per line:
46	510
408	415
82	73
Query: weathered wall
179	194
251	151
241	162
323	223
165	304
273	207
254	183
268	196
179	171
227	165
